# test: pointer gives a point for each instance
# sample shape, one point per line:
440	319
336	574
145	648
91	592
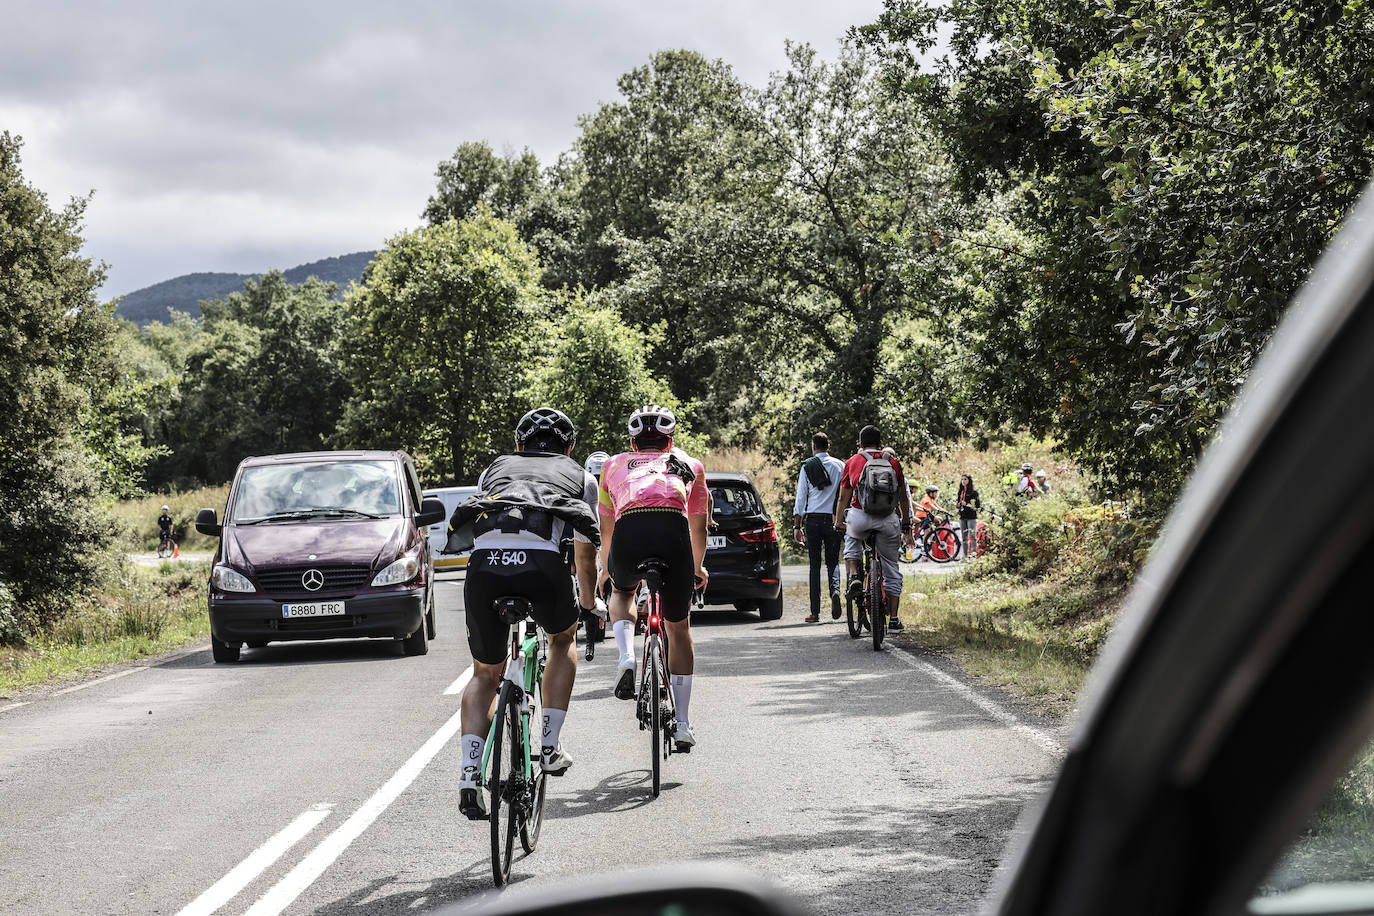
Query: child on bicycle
654	503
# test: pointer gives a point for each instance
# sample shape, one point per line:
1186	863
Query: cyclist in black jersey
528	504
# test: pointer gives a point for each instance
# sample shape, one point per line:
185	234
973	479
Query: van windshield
325	488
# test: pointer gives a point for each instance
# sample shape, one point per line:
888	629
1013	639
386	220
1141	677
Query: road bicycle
511	766
655	706
860	614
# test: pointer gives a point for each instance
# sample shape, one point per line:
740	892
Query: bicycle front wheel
877	612
507	775
942	544
851	616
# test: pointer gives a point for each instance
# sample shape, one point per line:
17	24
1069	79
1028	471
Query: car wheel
223	652
771	608
416	643
429	614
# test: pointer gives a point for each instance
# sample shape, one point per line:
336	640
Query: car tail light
765	535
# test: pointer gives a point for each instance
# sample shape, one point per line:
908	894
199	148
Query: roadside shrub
12	629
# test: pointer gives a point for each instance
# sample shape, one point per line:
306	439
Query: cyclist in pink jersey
654	503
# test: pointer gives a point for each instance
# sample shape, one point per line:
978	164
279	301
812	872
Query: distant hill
184	293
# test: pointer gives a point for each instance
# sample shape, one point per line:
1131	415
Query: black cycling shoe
834	604
625	686
895	625
855	589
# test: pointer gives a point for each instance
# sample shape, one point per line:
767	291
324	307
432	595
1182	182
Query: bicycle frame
527	641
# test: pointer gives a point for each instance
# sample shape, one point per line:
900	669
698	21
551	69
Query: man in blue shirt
813	521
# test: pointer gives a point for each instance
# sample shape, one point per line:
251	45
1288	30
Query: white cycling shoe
625	680
472	797
683	739
554	761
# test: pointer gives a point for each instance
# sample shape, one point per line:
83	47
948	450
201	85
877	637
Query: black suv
743	557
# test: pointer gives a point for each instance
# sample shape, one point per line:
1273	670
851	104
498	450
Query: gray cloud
250	135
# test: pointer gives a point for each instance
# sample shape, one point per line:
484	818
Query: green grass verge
144	612
1036	640
138	518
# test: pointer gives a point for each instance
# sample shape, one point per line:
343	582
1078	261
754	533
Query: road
321	778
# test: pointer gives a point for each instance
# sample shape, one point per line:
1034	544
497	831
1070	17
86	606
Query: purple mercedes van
322	545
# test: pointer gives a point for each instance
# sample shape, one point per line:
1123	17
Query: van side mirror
432	512
207	522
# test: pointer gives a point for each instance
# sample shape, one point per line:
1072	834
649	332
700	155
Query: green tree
55	367
440	342
265	376
1174	169
475	176
596	373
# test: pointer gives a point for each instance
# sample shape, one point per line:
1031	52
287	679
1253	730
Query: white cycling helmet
595	461
1027	468
932	489
166	508
1040	473
652	418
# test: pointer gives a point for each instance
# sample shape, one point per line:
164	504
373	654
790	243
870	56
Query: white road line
331	847
243	874
100	680
458	685
13	706
1049	742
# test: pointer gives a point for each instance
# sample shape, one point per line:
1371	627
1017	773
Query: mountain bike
860	615
511	765
166	547
942	541
655	706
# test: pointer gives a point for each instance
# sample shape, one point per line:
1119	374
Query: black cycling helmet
546	420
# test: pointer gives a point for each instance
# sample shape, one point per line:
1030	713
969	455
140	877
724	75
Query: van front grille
289	580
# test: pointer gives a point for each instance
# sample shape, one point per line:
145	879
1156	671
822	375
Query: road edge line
309	869
100	680
257	862
1046	740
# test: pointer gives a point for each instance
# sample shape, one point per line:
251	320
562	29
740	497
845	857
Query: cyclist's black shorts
539	575
662	533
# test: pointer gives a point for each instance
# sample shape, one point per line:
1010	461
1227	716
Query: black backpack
816	472
877	490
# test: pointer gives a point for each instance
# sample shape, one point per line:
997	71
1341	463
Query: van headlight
403	570
227	579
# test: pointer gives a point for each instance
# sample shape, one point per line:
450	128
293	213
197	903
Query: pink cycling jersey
641	480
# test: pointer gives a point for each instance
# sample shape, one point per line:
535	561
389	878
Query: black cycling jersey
164	524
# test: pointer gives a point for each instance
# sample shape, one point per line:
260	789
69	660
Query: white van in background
438	533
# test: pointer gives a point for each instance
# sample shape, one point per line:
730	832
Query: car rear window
368	487
731	500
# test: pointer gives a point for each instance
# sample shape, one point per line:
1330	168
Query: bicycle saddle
512	609
652	570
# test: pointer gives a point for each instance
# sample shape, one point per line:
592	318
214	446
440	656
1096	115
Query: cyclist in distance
863	509
164	528
654	503
528	503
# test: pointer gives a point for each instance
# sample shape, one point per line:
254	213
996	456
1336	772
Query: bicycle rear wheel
507	774
942	544
531	824
655	711
877	612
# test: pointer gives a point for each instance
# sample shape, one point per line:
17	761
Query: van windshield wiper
298	514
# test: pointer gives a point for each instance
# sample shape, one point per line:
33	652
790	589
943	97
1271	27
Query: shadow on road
618	792
319	652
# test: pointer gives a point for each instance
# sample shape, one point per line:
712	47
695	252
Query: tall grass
138	517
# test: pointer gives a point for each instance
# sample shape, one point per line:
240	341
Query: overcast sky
252	135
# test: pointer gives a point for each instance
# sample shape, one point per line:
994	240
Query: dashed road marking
243	874
285	891
13	706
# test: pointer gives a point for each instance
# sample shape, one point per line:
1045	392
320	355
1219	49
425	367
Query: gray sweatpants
858	526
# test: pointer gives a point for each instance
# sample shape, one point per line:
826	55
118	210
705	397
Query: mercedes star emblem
313	579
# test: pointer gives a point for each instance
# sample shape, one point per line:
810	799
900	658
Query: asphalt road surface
322	778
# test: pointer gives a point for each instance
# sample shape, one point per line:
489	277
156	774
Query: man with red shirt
858	524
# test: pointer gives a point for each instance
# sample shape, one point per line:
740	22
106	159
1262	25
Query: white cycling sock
472	751
624	639
682	695
553	725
